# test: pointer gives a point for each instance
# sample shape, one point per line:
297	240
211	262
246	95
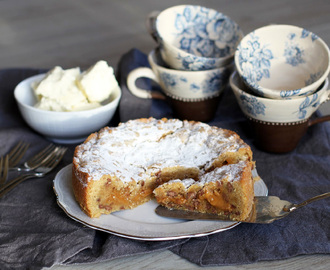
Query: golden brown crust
80	183
222	197
110	194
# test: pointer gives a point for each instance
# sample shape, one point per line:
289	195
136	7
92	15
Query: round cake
183	164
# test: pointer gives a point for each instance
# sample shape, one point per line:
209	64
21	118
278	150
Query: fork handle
310	200
8	187
19	169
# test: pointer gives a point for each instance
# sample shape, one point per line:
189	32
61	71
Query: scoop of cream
97	82
71	90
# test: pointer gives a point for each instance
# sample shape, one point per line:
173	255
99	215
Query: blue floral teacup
181	84
279	124
282	61
194	37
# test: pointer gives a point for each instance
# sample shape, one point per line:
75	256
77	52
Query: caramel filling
217	200
126	198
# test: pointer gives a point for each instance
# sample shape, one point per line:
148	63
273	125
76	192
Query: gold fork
43	169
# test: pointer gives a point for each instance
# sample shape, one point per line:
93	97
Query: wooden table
43	34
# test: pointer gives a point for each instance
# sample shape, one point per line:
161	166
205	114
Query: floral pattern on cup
258	56
205	32
274	110
195	63
255	107
255	61
313	77
179	84
252	105
209	86
310	101
195	38
288	94
271	53
293	54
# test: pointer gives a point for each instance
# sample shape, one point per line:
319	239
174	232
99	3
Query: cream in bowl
71	90
58	124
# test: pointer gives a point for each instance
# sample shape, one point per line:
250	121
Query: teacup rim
161	38
203	58
303	90
153	52
235	75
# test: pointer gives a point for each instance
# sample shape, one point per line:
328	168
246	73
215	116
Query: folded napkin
36	233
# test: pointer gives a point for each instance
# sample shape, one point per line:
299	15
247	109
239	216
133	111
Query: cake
227	190
183	164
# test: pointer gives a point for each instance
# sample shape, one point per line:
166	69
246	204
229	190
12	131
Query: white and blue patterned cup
282	61
194	37
182	84
278	125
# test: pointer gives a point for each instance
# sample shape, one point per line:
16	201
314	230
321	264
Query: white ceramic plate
141	223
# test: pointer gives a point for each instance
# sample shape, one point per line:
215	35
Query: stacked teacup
281	81
193	59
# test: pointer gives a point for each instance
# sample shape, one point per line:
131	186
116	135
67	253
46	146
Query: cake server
266	209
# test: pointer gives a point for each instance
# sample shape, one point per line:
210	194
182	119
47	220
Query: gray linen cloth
36	233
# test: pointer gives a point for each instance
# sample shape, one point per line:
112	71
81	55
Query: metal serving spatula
266	210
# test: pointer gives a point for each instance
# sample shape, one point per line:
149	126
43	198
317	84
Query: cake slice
227	190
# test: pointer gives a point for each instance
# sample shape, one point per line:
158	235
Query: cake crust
119	168
225	191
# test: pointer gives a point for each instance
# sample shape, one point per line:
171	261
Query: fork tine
56	158
17	153
61	154
13	150
50	164
53	159
40	157
4	164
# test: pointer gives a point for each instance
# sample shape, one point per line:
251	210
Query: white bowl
63	127
193	37
282	61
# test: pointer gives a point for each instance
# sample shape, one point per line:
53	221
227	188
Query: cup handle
151	24
321	118
142	72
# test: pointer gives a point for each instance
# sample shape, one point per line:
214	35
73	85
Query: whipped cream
71	90
98	82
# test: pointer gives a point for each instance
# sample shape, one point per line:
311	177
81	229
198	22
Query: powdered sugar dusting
136	149
230	172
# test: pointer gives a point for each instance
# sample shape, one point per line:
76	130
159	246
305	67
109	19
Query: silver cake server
266	210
